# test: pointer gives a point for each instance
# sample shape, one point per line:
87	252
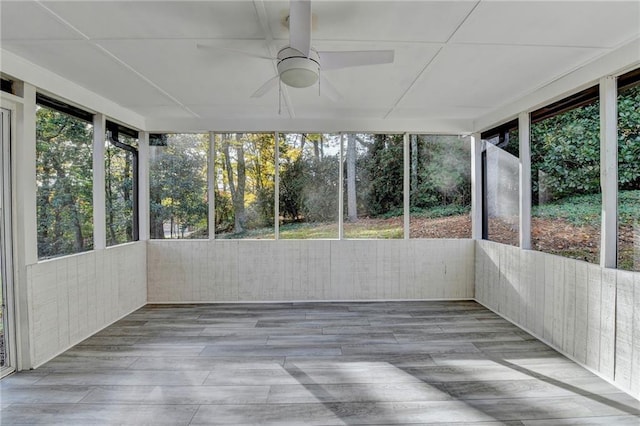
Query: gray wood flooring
315	364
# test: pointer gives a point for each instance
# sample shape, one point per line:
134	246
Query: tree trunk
128	159
156	225
352	205
414	164
238	202
109	199
237	188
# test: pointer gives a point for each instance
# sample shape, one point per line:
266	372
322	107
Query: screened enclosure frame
113	131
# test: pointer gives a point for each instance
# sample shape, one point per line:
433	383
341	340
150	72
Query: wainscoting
73	297
589	313
284	270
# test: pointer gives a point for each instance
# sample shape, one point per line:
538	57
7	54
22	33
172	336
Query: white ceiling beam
426	125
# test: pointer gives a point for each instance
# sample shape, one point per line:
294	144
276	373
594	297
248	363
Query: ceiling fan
299	64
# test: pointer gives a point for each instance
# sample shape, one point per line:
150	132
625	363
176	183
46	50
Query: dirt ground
556	236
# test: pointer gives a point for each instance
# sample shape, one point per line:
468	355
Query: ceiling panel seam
475	6
118	60
424	69
415	80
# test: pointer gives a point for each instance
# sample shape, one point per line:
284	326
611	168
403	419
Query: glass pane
64	178
503	189
119	191
629	179
244	182
565	183
178	186
440	180
373	183
309	182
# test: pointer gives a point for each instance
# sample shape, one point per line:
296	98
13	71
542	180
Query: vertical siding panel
608	323
582	312
557	276
624	329
593	315
569	306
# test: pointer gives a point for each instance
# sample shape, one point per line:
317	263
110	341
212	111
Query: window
440	182
373	185
629	171
121	191
309	185
565	177
244	185
178	185
64	178
501	212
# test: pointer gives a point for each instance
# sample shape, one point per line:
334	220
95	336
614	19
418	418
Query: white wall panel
219	270
75	296
585	311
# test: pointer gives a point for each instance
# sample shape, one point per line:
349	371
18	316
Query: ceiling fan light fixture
296	70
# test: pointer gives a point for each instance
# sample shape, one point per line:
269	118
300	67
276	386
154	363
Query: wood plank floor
315	364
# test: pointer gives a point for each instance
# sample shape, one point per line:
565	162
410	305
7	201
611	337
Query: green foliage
64	178
579	210
565	149
441	211
178	187
440	174
245	183
381	170
565	154
629	138
308	179
119	192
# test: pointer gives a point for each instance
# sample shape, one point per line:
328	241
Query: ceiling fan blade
270	84
227	49
300	26
337	60
329	90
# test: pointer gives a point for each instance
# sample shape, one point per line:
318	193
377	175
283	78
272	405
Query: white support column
24	216
276	204
340	191
524	132
406	187
99	197
143	185
211	185
25	177
609	171
476	186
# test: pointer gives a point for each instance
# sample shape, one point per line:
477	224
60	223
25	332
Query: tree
178	186
352	205
64	178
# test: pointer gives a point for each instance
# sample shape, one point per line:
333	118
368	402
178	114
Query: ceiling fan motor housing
297	70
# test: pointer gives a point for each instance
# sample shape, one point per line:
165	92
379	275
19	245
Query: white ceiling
453	59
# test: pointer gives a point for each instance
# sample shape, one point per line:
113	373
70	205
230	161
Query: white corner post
143	186
609	171
406	186
524	132
211	186
476	186
99	197
340	191
25	244
276	189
